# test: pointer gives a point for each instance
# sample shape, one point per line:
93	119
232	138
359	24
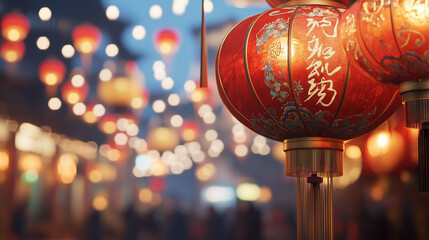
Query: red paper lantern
389	40
74	94
277	3
284	74
108	124
167	41
189	130
15	27
52	72
310	91
86	38
12	51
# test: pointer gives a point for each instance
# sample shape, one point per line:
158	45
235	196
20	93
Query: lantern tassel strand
424	159
203	70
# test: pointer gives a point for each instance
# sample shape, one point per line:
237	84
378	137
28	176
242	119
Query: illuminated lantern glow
52	72
15	27
12	51
123	91
107	124
30	162
86	38
167	41
4	160
162	139
284	75
389	40
72	94
66	167
189	131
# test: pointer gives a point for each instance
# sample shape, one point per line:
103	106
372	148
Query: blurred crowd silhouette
401	213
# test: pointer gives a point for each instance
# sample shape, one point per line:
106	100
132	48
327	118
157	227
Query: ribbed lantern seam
220	82
289	63
346	83
385	110
246	68
364	46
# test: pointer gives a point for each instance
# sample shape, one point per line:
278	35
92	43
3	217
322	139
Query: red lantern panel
12	51
52	71
276	3
15	26
86	38
389	40
288	77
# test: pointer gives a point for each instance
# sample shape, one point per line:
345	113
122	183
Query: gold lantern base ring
415	98
319	156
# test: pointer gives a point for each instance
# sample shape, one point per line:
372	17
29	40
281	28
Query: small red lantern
73	94
389	40
86	38
284	75
107	124
167	41
189	130
12	51
15	27
52	72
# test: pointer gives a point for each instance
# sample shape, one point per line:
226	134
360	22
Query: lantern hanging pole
203	70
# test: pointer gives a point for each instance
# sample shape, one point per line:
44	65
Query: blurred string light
99	110
190	86
238	133
139	32
222	196
121	139
167	83
159	72
155	12
79	109
211	135
176	120
158	106
30	176
105	75
66	167
179	6
173	99
352	166
112	12
260	146
43	43
54	103
45	14
216	148
241	150
205	172
100	203
67	51
248	192
266	195
112	50
77	80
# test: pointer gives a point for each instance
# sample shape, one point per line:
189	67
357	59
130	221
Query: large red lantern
12	51
15	27
389	40
284	75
